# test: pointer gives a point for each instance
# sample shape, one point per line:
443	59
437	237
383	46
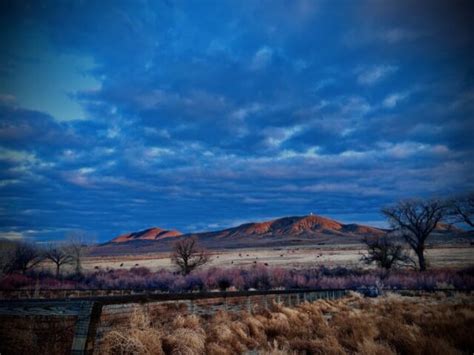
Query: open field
343	255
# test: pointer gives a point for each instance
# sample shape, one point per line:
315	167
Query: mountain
282	232
154	233
279	231
291	228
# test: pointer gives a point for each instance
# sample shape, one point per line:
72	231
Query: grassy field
343	255
392	324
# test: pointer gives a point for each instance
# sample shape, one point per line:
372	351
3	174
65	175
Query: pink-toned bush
255	277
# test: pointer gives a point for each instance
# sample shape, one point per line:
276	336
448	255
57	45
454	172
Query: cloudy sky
197	115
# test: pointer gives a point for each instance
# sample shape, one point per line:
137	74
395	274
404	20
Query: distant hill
304	230
154	233
305	227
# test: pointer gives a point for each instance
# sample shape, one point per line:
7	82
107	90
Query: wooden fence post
191	306
86	328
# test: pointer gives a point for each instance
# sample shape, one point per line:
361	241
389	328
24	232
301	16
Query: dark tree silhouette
25	257
462	209
59	255
414	220
187	255
385	253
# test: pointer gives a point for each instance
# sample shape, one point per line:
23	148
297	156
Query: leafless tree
76	245
187	255
25	257
414	220
462	209
58	255
7	250
385	253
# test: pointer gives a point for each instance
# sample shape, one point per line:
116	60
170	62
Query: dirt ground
349	256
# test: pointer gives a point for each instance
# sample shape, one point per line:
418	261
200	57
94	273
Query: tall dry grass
386	325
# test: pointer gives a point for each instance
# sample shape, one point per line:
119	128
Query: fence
88	311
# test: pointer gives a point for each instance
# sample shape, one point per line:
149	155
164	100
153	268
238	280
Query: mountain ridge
289	227
153	233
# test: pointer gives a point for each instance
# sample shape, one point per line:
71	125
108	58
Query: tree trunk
57	270
421	259
78	267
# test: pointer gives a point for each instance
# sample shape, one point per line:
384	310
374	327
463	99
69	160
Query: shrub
255	277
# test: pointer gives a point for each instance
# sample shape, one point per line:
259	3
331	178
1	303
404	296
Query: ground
342	255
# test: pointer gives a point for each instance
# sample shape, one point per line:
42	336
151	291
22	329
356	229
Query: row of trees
414	221
23	256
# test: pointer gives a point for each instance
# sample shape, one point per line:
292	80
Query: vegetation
388	325
23	256
462	209
415	220
75	245
188	256
58	255
257	277
385	253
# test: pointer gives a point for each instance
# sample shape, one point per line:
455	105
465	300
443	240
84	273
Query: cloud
392	100
11	235
375	74
276	136
229	111
262	58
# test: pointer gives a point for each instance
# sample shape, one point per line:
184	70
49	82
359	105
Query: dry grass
387	325
137	337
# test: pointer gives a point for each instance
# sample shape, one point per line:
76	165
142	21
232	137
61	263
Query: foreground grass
391	324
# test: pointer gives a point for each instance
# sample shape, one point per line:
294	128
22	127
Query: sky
116	116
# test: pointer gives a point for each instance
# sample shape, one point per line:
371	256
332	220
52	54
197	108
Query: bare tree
385	253
59	255
415	220
7	250
25	257
76	245
187	255
462	209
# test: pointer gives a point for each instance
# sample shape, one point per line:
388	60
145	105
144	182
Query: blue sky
197	115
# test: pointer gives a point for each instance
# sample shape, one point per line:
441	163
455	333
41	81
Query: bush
255	277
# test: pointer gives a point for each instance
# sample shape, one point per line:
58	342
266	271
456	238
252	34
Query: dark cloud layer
210	114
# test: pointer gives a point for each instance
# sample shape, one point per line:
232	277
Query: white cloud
262	58
155	152
278	135
404	150
392	100
11	235
373	75
243	112
17	156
